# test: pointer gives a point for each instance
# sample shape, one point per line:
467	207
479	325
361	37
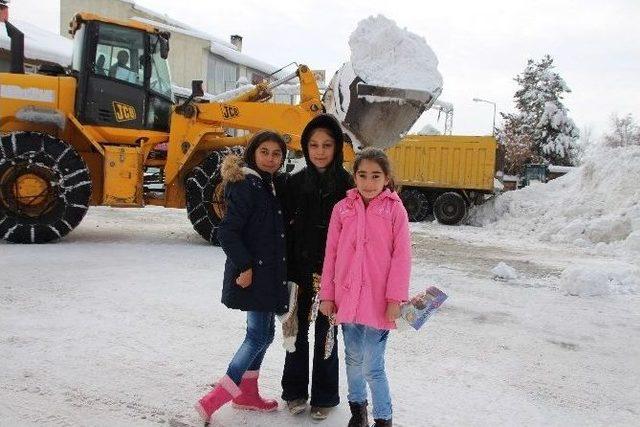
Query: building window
221	75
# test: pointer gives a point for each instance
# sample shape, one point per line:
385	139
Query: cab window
119	54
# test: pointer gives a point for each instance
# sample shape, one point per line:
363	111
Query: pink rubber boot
250	398
223	392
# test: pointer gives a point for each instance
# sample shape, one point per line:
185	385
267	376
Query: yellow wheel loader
71	138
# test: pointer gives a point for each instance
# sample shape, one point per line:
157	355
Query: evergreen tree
542	120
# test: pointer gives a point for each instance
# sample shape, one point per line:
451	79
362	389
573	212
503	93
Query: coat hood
325	121
233	169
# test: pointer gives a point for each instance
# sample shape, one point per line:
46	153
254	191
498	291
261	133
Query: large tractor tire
204	194
449	208
416	203
45	188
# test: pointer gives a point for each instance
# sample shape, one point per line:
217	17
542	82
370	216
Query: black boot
382	423
359	416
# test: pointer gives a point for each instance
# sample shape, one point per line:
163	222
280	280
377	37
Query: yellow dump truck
444	174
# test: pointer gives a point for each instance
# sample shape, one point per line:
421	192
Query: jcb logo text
123	112
230	112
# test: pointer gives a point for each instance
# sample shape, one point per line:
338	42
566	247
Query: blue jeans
260	332
364	356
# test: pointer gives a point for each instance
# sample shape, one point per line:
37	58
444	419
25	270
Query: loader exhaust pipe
17	48
17	40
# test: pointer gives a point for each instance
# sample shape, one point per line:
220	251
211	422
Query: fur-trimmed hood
233	169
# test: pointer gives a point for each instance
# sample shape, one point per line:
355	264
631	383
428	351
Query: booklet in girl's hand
420	307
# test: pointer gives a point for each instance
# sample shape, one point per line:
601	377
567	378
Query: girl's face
269	157
322	148
370	180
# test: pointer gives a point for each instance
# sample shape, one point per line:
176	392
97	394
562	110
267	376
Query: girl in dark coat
252	235
310	197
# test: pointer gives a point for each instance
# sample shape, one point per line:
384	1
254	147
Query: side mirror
164	47
196	88
4	11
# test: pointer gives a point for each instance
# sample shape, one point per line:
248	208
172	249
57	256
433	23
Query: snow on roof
240	58
560	169
163	16
40	44
185	30
217	46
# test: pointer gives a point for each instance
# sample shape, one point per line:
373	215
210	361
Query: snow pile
504	271
595	280
384	54
595	206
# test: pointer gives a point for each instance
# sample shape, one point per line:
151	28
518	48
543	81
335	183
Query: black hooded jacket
310	198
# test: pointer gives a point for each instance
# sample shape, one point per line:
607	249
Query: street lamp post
493	129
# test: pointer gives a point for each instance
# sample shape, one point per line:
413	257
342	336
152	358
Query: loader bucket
373	116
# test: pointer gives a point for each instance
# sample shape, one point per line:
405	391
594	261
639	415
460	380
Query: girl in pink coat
365	277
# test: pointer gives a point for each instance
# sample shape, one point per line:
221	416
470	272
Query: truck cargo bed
444	161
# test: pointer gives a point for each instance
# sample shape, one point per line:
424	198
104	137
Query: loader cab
123	75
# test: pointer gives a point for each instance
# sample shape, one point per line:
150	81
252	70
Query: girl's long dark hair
380	157
257	139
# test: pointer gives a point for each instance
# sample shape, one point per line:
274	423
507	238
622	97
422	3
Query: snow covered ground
120	324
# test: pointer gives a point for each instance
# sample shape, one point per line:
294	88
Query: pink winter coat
367	260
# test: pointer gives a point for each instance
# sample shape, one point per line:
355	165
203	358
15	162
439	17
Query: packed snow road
120	324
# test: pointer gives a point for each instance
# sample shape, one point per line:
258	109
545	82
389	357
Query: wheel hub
27	191
30	189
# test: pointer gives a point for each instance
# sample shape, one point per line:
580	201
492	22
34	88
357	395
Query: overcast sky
481	45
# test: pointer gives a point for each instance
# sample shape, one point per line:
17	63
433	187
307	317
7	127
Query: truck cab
538	172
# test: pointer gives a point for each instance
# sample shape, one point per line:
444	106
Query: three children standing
358	239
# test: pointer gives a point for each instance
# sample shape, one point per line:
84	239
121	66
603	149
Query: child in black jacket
310	197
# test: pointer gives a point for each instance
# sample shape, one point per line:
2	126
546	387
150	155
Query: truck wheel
449	208
204	194
45	188
416	203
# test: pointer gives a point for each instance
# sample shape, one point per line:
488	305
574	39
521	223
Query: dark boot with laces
382	423
359	416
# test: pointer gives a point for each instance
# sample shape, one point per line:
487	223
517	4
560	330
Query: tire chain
198	191
71	182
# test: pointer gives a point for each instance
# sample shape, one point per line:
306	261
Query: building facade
194	55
